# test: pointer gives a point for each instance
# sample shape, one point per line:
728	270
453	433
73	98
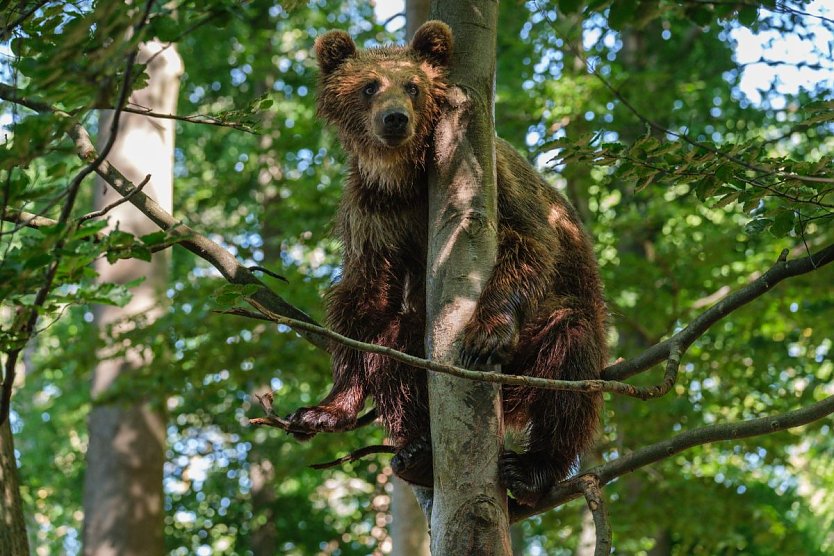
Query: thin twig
114	204
242	313
357	454
780	7
35	221
12	94
28	219
643	393
268	272
204	119
49	204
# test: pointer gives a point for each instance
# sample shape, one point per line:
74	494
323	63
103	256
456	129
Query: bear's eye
371	89
412	89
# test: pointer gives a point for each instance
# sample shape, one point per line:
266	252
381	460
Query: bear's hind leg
401	396
561	423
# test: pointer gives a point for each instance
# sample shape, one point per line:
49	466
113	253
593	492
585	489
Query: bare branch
781	270
243	313
35	221
642	393
572	488
28	219
114	204
596	503
268	272
357	454
204	119
12	94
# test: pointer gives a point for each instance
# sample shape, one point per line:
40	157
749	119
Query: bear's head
384	101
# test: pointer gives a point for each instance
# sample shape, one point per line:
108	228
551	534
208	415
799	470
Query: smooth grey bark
416	13
123	482
409	530
587	535
13	540
469	507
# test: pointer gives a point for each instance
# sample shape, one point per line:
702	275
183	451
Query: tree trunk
264	536
587	535
416	13
13	541
264	540
409	530
123	483
469	513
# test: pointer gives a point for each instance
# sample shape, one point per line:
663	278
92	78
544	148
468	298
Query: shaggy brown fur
541	313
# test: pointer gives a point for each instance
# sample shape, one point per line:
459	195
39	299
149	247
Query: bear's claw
525	480
306	422
488	345
413	462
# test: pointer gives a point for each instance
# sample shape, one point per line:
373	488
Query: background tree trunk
469	513
123	484
409	530
416	13
264	537
13	541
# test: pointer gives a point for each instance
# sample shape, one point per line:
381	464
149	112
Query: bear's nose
395	121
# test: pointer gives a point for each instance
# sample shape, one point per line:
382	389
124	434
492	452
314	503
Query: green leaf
758	225
568	7
230	295
748	15
88	228
621	13
783	223
154	238
727	199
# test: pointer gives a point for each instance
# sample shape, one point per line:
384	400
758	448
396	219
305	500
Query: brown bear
541	313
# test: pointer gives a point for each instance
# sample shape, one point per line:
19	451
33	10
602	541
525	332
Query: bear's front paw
413	462
488	343
305	422
525	476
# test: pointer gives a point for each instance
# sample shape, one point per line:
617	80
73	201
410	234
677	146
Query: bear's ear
433	41
333	48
